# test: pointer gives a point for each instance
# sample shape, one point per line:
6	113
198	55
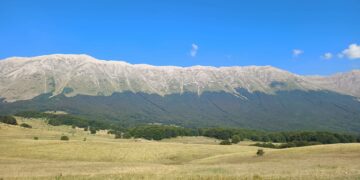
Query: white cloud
194	49
297	52
352	52
327	56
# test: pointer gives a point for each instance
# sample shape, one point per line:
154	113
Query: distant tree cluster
286	145
228	135
225	142
31	114
8	120
24	125
289	139
234	140
71	120
158	132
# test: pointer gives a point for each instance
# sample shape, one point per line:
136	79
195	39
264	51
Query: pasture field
103	157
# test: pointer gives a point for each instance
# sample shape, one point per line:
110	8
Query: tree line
233	135
158	132
67	119
281	137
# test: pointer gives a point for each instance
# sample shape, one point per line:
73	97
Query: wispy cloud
352	52
327	56
194	49
297	52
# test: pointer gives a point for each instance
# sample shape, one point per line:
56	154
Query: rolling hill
103	157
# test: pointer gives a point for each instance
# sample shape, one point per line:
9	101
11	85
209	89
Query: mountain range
258	97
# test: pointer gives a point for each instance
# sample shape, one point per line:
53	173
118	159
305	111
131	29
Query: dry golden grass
103	157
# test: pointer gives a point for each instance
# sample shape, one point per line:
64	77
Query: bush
225	142
24	125
267	145
235	139
64	138
111	131
92	130
118	135
126	135
8	120
36	138
260	152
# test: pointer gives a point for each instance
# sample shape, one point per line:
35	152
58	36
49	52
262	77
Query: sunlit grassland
103	157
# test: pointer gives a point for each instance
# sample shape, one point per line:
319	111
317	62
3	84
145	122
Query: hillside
102	157
257	97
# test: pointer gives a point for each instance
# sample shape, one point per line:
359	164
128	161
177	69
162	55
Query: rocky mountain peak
27	77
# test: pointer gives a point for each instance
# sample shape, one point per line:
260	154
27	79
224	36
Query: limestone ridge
23	78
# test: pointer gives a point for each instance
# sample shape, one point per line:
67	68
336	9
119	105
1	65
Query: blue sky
289	34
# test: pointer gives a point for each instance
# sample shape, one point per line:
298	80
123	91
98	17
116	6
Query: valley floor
103	157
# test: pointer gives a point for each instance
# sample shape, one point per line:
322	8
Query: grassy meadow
103	157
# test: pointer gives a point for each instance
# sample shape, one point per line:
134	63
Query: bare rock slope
25	78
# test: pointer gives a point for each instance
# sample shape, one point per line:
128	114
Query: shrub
260	152
225	142
92	130
118	135
111	131
235	139
36	138
8	120
126	135
288	145
24	125
267	145
84	139
64	138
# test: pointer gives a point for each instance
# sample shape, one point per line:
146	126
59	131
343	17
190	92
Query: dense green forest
159	131
71	120
281	137
283	111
